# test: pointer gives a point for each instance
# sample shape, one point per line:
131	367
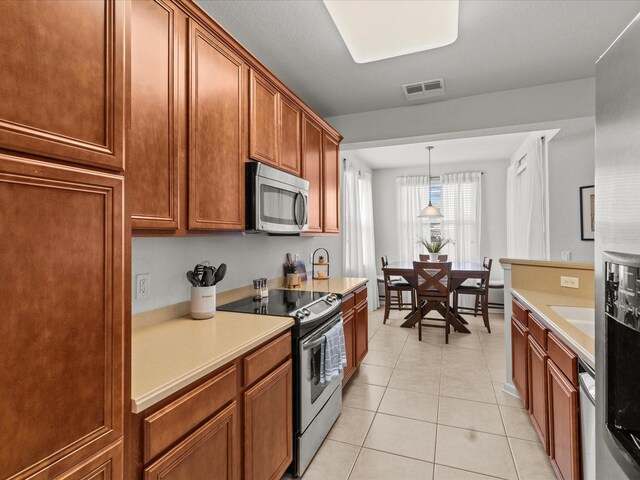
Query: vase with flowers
293	277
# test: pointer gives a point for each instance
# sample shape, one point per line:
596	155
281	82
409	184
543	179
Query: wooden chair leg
399	296
446	319
485	313
387	304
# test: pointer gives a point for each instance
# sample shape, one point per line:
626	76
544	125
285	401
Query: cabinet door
268	428
312	170
210	453
62	82
289	136
538	405
217	129
519	360
263	124
157	31
362	331
564	447
349	340
331	185
105	465
61	335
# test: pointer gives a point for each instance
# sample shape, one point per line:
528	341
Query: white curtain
412	195
526	204
461	206
358	240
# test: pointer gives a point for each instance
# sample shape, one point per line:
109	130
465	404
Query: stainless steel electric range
316	405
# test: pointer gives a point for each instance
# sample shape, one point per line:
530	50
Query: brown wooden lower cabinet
538	405
208	453
355	317
234	423
349	339
362	330
519	362
564	444
268	426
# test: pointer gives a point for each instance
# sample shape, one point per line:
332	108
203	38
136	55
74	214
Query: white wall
545	103
247	257
571	166
493	242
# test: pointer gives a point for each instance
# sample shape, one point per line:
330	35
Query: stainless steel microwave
277	202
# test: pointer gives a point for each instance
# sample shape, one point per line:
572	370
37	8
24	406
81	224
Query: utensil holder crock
203	302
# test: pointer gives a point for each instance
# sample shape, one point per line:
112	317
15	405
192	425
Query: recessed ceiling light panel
375	30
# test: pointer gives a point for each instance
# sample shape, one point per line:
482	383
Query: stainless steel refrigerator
617	258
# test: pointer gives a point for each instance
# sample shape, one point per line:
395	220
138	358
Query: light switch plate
566	256
570	282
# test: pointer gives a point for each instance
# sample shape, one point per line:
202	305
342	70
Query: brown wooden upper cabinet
312	171
331	184
321	167
274	126
74	51
158	34
217	132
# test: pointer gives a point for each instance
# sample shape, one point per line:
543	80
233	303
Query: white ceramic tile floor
426	410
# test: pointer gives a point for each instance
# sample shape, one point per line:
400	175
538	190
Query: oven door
280	207
313	394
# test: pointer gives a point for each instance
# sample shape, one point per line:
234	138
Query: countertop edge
565	337
547	263
143	402
310	285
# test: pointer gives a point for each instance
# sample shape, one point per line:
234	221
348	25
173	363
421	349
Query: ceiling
475	149
502	44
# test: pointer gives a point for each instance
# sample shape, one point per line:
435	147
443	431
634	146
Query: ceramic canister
203	302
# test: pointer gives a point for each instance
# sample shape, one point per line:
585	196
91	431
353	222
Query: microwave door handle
295	209
306	210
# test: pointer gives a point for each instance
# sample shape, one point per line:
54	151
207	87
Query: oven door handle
314	343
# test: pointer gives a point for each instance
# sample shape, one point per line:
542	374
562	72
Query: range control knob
299	315
306	312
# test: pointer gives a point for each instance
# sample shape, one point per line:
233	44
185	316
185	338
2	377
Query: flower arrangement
436	243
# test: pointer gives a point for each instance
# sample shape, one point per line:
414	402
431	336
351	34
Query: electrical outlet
566	256
297	257
570	282
143	285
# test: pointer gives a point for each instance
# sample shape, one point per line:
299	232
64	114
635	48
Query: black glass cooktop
279	303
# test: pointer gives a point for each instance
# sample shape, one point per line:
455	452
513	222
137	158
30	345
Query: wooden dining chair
481	293
381	294
394	287
433	286
441	258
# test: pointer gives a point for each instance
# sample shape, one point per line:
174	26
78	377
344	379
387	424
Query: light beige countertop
337	285
169	355
540	302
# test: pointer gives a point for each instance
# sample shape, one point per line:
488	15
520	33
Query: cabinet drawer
538	331
267	358
169	424
564	358
519	312
348	302
361	295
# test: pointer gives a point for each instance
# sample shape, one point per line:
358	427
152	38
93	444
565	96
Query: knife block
203	302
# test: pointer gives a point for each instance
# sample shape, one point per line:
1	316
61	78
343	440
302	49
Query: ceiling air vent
430	88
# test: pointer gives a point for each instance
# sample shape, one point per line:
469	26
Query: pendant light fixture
430	211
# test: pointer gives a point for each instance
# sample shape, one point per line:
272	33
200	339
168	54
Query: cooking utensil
193	280
220	273
207	277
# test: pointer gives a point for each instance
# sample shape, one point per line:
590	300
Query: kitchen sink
583	318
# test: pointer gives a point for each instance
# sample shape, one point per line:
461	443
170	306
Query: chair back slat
384	260
486	276
432	279
441	258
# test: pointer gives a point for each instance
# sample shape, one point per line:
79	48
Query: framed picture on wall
587	212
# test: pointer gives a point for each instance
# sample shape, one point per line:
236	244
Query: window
432	227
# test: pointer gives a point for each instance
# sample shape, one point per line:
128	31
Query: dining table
460	273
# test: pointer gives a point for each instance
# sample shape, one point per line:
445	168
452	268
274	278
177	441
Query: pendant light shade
430	211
